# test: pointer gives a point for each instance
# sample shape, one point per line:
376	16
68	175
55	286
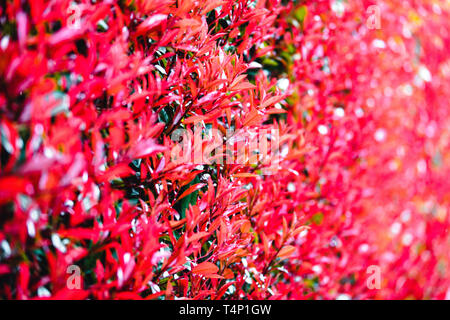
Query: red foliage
91	95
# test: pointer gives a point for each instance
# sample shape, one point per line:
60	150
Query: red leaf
286	251
191	189
145	148
151	22
205	269
118	171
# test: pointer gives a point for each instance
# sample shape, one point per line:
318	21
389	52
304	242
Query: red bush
93	93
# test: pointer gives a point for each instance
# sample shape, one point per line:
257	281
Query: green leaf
317	218
300	14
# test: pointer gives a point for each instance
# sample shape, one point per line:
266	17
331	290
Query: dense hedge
92	92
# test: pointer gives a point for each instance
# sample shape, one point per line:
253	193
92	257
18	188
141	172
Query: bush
99	100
